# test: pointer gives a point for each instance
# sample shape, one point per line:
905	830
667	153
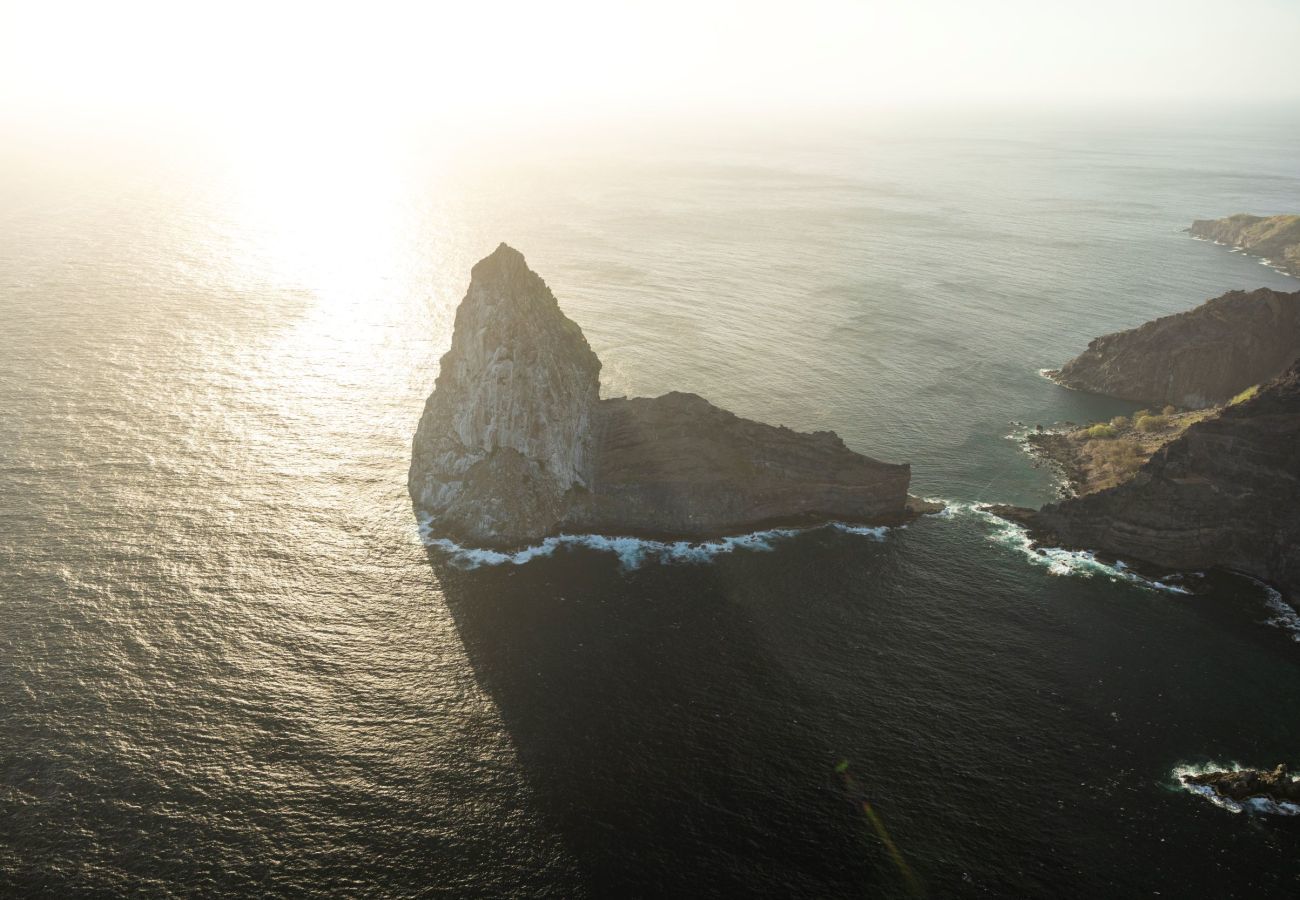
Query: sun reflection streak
326	214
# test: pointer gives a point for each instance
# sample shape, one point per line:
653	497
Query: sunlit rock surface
1199	358
506	439
515	444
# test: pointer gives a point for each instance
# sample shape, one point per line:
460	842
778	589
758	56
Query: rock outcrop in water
515	444
1224	493
1278	785
1199	358
1276	239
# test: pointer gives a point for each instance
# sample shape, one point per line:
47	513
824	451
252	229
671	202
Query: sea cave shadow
658	732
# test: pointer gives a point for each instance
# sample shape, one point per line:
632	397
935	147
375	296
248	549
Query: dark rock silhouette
1224	493
1199	358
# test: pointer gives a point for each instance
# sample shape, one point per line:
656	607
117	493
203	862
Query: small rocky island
1238	785
1194	359
515	443
1275	239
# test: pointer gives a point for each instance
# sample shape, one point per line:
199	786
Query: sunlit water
228	664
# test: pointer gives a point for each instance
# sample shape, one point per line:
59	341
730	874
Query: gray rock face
1224	493
513	405
515	444
1195	359
1273	238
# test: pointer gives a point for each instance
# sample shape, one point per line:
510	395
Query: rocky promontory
1226	492
1275	239
1194	359
515	443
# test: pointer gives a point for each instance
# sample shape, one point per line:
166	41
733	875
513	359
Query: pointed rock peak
503	263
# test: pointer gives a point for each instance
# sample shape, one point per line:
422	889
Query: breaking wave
1060	561
632	552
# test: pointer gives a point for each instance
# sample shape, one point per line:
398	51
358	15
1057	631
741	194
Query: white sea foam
948	511
632	552
1262	805
1059	561
1285	616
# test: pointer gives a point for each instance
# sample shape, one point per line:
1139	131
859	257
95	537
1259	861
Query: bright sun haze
257	65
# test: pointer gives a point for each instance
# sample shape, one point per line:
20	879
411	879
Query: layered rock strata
1195	359
515	444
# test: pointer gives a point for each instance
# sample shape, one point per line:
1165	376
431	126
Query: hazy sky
263	61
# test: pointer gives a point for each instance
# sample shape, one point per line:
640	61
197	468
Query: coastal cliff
1275	239
506	438
1194	359
1226	492
515	444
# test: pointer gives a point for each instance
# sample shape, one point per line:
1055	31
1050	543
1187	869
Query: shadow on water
655	730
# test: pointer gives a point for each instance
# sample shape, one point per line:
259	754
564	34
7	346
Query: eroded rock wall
1199	358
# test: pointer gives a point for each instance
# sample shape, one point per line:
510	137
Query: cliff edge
1194	359
1224	493
515	444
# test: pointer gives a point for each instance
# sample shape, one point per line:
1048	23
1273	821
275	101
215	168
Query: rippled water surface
228	664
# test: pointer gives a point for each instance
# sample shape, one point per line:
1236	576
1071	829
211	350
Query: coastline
1279	265
634	546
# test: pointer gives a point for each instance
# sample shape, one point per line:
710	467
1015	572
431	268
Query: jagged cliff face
513	404
515	445
1199	358
1226	493
1274	238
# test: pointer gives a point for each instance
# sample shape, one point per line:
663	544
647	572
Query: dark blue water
229	666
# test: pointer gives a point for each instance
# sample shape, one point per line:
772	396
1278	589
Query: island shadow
658	734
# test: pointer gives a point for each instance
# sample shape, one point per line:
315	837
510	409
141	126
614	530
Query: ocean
230	665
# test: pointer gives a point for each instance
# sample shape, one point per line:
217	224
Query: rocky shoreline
1225	492
1274	239
1102	455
